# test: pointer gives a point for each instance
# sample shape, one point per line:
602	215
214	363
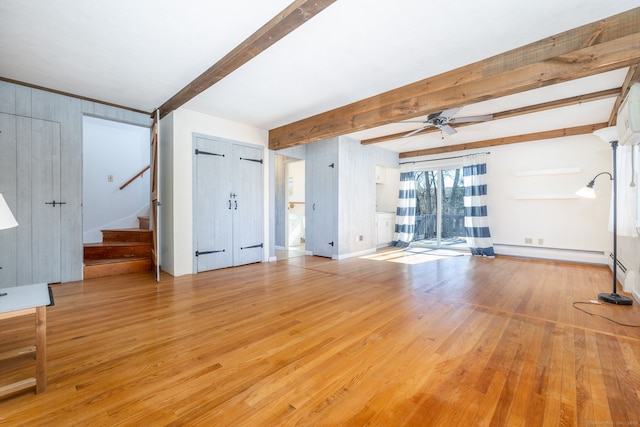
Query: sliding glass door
440	208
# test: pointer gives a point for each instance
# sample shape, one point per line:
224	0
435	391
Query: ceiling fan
443	119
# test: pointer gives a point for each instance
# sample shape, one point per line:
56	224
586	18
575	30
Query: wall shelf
539	172
545	196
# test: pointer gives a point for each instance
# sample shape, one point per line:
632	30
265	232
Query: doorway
290	207
440	209
115	194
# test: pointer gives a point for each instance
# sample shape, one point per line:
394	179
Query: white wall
543	205
120	150
357	195
178	259
387	191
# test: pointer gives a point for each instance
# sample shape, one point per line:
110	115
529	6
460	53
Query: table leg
41	349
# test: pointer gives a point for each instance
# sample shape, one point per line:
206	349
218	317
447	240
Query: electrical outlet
540	241
109	178
528	241
360	238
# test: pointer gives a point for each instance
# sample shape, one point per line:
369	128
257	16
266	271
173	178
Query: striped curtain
476	221
406	211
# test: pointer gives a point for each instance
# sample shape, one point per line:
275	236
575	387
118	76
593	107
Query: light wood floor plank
390	339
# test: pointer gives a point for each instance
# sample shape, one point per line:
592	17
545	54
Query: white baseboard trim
554	254
355	254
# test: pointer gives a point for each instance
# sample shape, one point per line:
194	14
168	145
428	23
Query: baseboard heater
621	266
555	254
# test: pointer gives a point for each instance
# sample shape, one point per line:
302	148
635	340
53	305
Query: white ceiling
140	53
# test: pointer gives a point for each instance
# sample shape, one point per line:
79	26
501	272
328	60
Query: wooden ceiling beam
537	136
596	96
591	49
296	14
633	75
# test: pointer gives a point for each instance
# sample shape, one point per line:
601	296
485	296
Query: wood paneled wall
67	111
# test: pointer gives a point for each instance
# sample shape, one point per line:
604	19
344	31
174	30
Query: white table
22	301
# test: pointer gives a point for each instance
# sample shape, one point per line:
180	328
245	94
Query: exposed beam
73	95
296	14
591	49
558	133
596	96
632	76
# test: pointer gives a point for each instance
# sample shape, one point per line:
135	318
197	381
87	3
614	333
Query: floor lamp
610	136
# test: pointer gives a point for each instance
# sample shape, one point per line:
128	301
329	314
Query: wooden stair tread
127	235
133	230
108	244
103	261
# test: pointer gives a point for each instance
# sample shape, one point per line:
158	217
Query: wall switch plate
109	178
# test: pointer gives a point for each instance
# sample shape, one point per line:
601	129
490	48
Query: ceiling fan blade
447	129
416	131
449	113
470	119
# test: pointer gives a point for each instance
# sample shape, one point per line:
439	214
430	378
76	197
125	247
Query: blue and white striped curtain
476	221
406	211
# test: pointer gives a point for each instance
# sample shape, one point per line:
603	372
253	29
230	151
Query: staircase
121	251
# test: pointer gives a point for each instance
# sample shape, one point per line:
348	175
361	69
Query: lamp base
615	299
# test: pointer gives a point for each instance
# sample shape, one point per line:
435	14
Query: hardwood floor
385	341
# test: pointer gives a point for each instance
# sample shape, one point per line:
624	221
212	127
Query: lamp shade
607	135
7	220
587	192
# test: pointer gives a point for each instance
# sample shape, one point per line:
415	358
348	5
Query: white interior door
8	188
324	175
30	183
46	203
214	205
248	204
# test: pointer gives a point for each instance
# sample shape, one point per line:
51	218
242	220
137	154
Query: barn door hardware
198	253
252	160
251	247
54	203
208	153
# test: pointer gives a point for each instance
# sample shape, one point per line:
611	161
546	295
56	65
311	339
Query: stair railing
139	174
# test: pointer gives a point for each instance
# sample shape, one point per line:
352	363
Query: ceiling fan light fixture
444	119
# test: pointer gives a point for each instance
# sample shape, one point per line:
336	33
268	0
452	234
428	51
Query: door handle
236	202
229	204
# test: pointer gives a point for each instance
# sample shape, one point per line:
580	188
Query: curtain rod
442	158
